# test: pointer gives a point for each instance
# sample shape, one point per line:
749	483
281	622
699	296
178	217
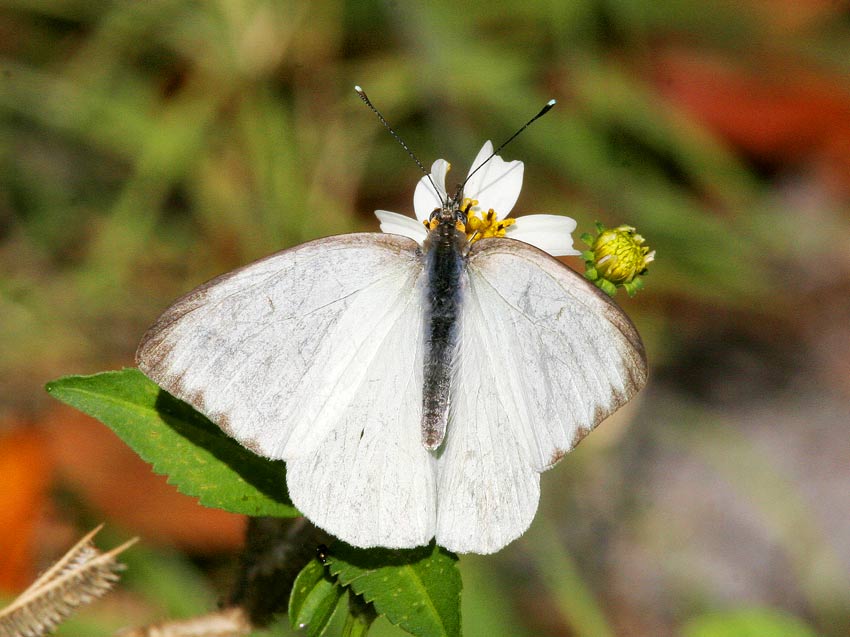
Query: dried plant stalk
228	622
82	575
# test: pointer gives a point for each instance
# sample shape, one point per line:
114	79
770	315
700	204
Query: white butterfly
418	382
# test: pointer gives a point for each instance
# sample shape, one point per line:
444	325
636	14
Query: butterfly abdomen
444	257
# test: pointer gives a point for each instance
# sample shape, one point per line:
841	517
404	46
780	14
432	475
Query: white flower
492	191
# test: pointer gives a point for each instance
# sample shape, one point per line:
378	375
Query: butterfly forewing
544	357
314	356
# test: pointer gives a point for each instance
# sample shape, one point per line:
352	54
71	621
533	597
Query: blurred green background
147	145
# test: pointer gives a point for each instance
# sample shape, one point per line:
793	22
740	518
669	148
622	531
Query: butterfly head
463	213
454	211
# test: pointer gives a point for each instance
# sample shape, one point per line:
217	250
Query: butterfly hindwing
370	481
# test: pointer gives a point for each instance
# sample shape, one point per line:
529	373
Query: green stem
360	616
569	591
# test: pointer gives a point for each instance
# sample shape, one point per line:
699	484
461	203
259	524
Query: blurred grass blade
570	592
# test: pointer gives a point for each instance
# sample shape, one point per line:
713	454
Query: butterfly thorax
445	251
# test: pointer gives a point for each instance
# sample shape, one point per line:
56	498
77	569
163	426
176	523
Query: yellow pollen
483	225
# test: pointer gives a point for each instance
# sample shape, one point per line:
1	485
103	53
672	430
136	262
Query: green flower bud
617	257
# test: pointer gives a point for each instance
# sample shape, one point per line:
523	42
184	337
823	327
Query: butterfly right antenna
542	112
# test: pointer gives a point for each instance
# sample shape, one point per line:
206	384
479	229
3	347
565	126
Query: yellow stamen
483	225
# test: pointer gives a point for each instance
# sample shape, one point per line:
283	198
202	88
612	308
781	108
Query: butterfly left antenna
386	124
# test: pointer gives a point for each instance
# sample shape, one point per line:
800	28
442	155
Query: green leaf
178	441
634	286
418	590
753	622
315	595
606	286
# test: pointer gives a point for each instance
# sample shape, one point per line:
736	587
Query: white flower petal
484	153
424	197
394	223
550	233
497	184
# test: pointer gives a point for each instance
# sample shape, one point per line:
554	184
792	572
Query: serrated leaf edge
52	387
418	579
